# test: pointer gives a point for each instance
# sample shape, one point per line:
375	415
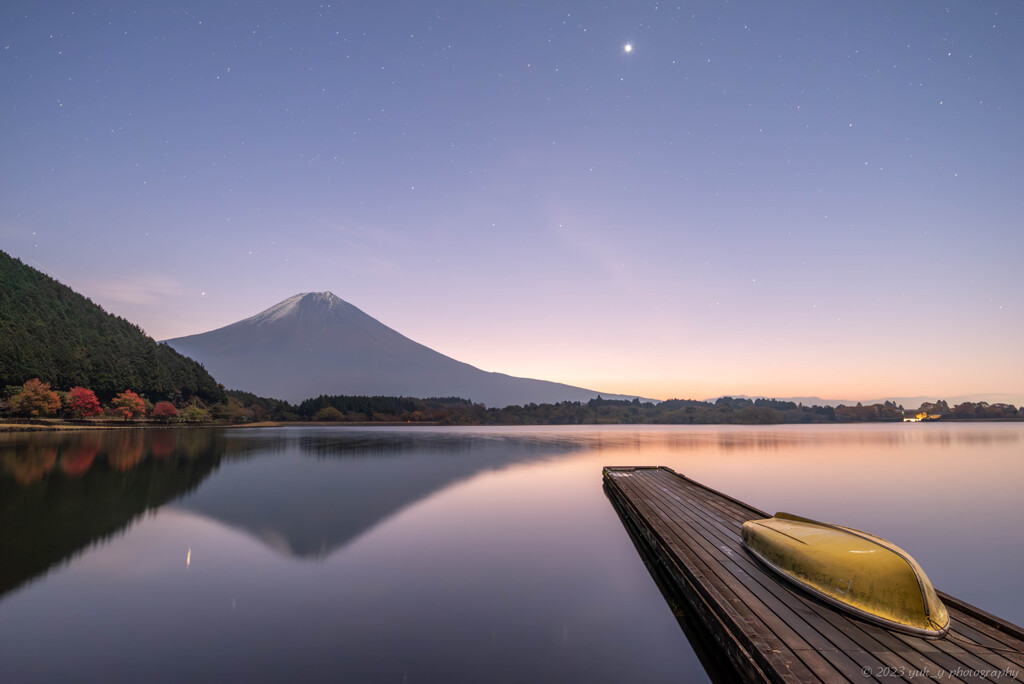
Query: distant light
188	558
627	48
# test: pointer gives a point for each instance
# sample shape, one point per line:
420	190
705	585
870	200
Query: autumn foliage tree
129	404
35	399
164	410
195	413
83	403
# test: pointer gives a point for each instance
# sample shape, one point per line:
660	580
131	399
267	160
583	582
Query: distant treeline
48	331
727	410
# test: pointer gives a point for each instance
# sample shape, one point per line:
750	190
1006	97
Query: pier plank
841	632
769	629
780	636
964	657
761	642
897	656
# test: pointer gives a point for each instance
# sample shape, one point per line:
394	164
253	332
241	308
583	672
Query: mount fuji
317	343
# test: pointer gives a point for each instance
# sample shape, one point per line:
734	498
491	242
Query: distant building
918	417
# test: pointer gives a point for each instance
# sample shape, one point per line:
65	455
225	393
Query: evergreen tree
50	332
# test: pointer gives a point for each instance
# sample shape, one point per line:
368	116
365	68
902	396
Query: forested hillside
50	332
725	410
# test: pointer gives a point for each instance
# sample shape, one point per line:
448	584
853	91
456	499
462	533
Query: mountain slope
49	331
317	343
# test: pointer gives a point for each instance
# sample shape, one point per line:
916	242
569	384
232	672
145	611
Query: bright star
627	48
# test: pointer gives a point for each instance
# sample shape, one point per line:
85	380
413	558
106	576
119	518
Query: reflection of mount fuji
322	492
304	492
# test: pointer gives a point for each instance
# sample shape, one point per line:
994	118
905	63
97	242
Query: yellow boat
853	570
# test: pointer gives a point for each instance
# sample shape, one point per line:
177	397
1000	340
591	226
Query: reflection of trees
192	444
75	460
29	465
30	457
41	526
161	443
127	453
47	515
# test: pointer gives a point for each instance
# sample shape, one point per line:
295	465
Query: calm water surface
437	554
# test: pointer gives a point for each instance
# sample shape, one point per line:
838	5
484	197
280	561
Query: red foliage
129	404
76	461
161	442
83	403
164	410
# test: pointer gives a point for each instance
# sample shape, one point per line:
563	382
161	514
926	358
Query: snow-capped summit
312	302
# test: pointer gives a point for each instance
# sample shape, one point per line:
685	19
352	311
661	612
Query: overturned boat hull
852	570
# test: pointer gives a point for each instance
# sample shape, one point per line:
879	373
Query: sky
771	199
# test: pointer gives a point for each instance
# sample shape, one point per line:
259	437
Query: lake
438	554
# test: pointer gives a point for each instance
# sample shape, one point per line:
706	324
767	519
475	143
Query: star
627	48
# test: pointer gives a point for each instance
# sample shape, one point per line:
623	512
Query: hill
49	331
318	344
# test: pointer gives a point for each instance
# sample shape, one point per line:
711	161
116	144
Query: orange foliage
129	404
127	454
31	464
35	399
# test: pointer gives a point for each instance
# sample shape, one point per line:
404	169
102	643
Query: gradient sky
799	198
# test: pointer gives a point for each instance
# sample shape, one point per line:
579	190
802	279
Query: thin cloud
131	289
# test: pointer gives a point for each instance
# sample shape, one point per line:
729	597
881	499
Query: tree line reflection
62	492
29	458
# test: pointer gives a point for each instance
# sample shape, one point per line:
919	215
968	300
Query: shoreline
67	427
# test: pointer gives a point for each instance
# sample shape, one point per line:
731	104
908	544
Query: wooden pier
771	631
